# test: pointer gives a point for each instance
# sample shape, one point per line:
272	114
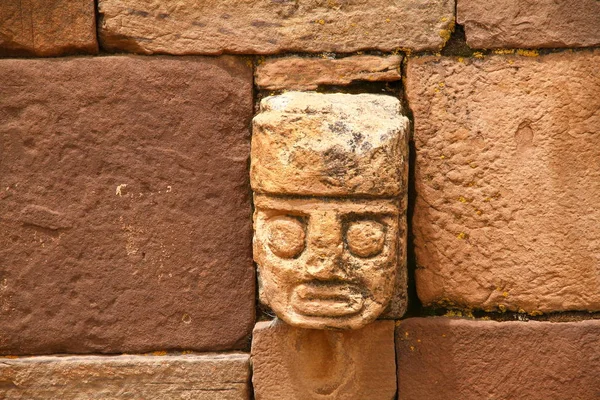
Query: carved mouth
327	299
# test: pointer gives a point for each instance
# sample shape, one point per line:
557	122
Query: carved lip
327	299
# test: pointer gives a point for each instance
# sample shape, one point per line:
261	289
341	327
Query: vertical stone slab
442	358
329	173
125	215
305	364
47	27
530	23
198	377
273	26
508	181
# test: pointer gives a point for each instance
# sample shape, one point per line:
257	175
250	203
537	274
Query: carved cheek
286	237
365	238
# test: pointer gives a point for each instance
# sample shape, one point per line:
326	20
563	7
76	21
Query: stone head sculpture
329	177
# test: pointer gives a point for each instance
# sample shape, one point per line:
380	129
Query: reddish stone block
273	26
442	358
305	364
530	23
507	179
125	205
47	27
306	73
198	377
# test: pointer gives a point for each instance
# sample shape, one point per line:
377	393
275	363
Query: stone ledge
301	73
198	377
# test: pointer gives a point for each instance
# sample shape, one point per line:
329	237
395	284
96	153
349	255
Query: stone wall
458	142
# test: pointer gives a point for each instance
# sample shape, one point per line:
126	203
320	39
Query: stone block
303	364
329	173
198	377
307	73
47	27
342	145
507	179
268	27
530	23
442	358
125	209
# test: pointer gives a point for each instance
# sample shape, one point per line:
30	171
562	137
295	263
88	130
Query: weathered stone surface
47	27
508	181
125	211
267	27
304	364
530	23
302	73
331	261
399	302
330	145
441	358
198	377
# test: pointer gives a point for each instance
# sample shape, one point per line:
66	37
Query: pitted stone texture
301	364
198	377
126	217
268	27
507	214
530	23
441	358
329	264
301	73
47	27
330	145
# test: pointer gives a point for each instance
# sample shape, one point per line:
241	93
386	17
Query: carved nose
323	267
325	245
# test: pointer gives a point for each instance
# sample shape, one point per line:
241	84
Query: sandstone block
198	377
530	23
330	261
508	181
339	144
441	358
301	73
47	27
302	364
330	264
267	27
126	219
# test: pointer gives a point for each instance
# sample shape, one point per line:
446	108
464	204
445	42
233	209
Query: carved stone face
326	263
329	175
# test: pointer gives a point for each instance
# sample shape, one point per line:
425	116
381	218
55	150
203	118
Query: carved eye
365	238
286	237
